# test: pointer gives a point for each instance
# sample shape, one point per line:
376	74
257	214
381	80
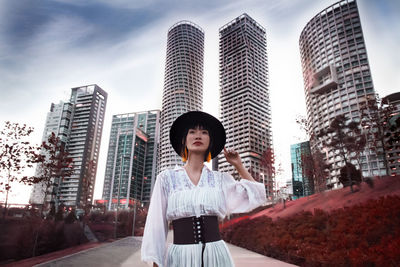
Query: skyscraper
244	95
52	125
337	77
80	128
132	158
89	104
183	83
301	181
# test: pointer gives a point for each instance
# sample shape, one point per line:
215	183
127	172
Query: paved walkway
126	252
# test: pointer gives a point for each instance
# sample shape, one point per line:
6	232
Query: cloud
49	47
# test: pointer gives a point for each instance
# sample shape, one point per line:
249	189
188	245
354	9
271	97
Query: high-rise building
337	78
244	95
132	158
303	184
183	83
80	124
392	133
85	128
52	125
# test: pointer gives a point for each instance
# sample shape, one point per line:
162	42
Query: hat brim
216	132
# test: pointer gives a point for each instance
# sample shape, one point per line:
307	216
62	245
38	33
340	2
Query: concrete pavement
126	252
112	254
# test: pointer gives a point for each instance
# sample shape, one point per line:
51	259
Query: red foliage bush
18	237
367	234
103	224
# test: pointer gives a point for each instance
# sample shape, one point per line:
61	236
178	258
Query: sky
48	47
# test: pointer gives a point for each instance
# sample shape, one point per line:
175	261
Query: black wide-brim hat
216	130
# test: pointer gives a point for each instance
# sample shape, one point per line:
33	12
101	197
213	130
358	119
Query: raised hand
232	157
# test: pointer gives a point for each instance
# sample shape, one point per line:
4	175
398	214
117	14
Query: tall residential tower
80	124
244	95
337	77
132	158
183	83
52	125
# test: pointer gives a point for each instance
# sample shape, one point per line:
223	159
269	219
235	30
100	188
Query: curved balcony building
337	77
183	83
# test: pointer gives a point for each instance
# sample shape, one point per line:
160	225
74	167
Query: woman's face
197	140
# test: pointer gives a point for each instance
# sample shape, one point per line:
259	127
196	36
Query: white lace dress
175	196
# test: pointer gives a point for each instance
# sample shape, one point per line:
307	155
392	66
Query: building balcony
328	83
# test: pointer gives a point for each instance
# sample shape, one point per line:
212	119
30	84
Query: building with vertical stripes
302	183
244	94
79	124
132	158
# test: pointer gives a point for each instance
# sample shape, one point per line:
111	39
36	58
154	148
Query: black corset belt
193	230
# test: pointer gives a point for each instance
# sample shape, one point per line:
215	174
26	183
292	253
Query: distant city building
302	183
392	131
289	186
79	128
183	83
337	78
285	192
244	95
132	158
52	125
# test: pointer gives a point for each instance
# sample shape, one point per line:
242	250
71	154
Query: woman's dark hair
201	126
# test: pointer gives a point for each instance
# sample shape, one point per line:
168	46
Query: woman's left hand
232	157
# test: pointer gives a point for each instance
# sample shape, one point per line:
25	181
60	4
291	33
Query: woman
193	197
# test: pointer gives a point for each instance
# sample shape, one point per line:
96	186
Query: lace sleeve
156	228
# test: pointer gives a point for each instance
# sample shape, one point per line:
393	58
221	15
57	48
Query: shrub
362	235
103	224
18	237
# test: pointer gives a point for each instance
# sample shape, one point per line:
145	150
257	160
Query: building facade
302	182
392	134
52	125
244	95
183	83
80	129
132	158
337	78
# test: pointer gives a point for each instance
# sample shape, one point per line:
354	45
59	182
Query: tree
313	165
349	171
268	162
15	156
320	171
342	137
374	115
54	164
315	169
87	190
304	125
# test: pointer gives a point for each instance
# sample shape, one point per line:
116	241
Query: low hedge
367	234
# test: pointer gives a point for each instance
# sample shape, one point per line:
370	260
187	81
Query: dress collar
177	167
